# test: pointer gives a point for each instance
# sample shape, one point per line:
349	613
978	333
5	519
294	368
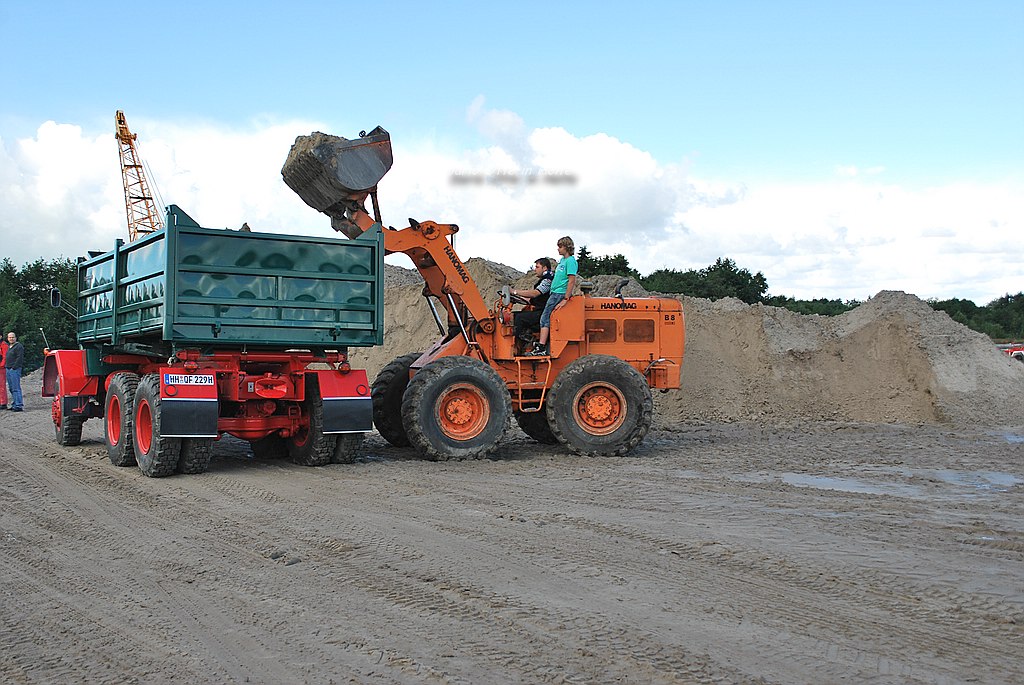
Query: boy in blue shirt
562	286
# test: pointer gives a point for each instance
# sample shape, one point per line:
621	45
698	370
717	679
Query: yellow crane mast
143	217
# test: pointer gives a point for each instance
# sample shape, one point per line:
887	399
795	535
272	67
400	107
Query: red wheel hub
144	427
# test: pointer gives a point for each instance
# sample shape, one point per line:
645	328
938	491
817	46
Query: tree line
25	298
25	306
1002	319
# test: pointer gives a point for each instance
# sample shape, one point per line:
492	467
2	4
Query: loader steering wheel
507	298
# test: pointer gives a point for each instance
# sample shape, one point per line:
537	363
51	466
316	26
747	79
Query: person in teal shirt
562	286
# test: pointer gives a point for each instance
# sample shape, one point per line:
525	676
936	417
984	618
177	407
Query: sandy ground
825	500
717	553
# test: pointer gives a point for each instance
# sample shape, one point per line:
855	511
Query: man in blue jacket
14	361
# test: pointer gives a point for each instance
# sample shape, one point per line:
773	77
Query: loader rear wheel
195	455
535	424
117	419
600	406
156	455
348	448
309	446
456	408
386	391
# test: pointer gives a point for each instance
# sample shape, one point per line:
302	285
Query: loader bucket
328	172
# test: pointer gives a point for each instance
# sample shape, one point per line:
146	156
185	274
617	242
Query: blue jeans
553	300
14	383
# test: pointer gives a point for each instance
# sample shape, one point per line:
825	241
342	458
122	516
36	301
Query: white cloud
845	237
851	171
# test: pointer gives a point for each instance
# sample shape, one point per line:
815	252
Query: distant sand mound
893	359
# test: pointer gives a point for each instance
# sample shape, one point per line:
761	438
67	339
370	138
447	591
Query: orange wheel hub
600	409
462	411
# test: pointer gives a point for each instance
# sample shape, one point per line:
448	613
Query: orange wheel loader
592	393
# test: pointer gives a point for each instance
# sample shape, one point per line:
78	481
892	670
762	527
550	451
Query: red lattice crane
143	217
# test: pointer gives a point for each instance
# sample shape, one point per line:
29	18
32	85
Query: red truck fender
64	374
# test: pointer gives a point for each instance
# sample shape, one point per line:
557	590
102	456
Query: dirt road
727	553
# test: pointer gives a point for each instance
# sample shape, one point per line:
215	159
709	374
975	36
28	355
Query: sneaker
538	351
16	409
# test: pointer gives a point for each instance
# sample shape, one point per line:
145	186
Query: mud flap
83	406
346	399
189	407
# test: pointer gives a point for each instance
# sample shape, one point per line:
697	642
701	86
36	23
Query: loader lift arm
335	176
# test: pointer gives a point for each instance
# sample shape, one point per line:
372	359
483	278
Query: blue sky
824	144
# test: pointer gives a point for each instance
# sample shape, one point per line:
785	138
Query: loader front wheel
456	408
600	406
156	455
117	419
386	391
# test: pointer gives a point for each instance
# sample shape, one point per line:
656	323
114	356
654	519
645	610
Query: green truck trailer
189	333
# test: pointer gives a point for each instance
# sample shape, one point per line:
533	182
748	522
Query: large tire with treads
600	406
387	391
310	446
195	455
535	424
156	455
348	448
456	408
68	429
118	413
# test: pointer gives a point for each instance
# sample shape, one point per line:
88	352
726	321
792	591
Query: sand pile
893	359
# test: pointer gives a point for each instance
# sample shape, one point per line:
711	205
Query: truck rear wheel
456	408
309	446
535	424
195	455
348	448
386	391
117	419
600	406
156	455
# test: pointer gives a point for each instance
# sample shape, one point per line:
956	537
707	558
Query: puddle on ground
850	485
966	483
1013	438
981	480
